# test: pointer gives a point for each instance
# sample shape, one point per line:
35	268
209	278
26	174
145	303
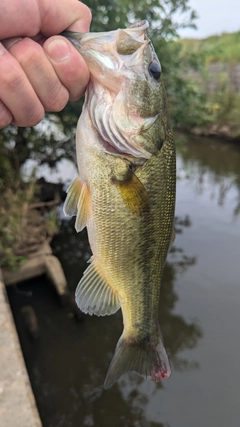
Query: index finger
27	19
71	15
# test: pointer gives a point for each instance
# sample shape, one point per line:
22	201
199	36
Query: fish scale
125	199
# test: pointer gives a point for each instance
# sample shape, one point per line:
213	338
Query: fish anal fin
77	203
145	357
94	295
133	193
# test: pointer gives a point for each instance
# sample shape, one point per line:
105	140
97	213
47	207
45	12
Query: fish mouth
103	50
110	55
136	30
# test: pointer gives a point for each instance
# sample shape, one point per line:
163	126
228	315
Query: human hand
39	71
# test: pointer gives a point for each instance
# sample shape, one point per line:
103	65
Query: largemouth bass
125	192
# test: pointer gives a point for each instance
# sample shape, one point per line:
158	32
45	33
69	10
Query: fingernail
9	42
2	49
58	50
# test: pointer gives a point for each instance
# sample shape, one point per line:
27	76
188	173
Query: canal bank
17	403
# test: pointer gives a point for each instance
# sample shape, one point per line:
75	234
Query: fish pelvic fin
77	203
94	295
141	356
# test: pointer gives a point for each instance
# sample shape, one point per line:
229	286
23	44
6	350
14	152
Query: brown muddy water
199	316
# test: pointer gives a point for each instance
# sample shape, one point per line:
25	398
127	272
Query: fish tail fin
146	357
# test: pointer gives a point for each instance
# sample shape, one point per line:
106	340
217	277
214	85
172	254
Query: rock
224	131
30	321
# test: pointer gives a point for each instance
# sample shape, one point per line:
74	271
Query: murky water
199	316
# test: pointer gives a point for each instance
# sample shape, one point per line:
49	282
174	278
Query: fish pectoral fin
82	209
73	194
133	193
94	295
77	203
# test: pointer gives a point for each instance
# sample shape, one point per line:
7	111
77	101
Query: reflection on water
214	166
69	363
200	301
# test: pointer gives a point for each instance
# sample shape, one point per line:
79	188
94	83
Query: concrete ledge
17	403
38	263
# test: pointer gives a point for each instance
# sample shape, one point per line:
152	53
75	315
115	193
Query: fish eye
155	70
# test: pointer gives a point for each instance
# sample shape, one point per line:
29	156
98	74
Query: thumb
68	64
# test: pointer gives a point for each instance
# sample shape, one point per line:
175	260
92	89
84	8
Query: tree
54	138
166	17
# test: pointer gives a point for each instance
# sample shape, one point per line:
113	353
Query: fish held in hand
125	192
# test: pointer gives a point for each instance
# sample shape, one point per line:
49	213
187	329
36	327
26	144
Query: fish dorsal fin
94	295
133	193
77	203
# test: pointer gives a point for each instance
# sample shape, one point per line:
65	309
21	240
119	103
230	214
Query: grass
23	227
212	68
218	48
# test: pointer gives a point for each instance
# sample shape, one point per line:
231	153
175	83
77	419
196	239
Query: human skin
39	70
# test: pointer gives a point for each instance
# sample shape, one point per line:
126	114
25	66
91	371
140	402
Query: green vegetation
213	69
200	90
221	48
23	222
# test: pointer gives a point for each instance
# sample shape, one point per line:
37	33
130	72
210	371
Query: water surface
199	316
